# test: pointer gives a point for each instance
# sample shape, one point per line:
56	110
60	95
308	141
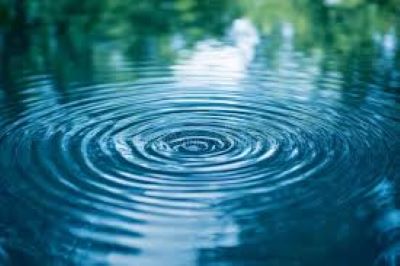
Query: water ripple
125	161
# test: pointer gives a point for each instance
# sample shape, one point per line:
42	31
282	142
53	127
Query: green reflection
75	43
70	39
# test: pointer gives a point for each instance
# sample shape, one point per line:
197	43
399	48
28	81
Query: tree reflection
147	29
86	42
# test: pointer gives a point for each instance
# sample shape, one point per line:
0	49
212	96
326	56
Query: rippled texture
136	166
226	156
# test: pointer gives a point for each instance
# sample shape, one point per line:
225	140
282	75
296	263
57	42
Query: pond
191	132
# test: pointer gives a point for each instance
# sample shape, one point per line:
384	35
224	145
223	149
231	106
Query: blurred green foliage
330	19
118	17
62	34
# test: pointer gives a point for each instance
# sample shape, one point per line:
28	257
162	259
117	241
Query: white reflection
179	235
116	59
332	2
214	62
177	42
287	32
389	43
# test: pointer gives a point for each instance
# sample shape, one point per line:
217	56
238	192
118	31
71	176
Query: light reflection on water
236	148
213	61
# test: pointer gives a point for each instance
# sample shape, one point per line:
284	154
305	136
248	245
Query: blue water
240	151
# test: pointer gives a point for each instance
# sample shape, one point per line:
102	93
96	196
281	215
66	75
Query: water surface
255	133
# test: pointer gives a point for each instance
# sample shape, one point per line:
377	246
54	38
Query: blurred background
73	40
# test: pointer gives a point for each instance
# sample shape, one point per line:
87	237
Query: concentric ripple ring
145	157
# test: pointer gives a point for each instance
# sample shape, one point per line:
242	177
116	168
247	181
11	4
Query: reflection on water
387	222
199	132
213	60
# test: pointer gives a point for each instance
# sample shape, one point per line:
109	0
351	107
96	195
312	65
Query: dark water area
188	132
